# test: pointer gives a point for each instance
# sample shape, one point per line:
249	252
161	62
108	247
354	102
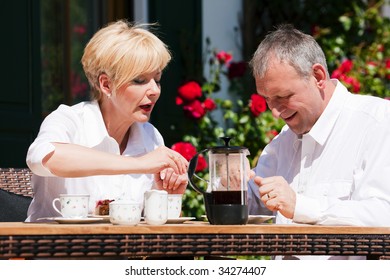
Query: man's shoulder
370	106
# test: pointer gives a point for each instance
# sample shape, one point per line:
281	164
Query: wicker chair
15	194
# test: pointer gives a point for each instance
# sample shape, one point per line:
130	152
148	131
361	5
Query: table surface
192	227
189	239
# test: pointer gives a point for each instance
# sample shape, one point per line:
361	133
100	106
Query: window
66	27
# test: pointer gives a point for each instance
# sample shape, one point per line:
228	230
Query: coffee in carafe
230	197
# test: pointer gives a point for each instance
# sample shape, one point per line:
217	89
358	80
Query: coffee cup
174	206
124	212
156	207
72	205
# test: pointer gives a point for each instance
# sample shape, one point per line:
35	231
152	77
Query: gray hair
291	46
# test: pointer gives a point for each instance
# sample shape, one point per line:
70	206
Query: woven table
52	240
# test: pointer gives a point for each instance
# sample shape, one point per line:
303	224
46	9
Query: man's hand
277	195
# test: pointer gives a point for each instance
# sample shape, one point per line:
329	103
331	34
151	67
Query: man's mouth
289	117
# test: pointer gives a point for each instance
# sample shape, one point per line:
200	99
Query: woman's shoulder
71	111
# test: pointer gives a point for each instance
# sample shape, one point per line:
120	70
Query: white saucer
253	219
106	218
180	220
258	219
62	220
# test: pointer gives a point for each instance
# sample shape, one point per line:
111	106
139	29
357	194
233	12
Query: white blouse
83	124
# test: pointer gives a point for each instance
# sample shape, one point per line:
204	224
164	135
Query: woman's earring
108	95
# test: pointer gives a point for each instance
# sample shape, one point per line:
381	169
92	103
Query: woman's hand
163	158
171	182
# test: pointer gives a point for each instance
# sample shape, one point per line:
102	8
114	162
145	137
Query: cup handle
54	205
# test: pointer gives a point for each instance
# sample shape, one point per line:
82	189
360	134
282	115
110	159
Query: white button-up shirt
340	170
83	124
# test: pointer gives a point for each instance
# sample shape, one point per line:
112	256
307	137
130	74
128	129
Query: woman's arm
71	160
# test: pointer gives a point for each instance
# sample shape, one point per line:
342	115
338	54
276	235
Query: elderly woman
106	147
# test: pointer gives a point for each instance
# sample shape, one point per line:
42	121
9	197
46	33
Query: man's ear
319	73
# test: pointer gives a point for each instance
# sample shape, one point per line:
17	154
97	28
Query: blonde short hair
123	51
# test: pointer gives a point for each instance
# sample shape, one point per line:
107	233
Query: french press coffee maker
225	199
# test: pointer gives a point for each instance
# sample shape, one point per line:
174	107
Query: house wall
220	22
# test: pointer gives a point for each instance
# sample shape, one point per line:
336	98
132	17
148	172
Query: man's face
298	101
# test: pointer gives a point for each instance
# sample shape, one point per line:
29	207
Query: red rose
351	83
194	109
388	68
336	74
224	57
202	164
271	133
236	70
188	151
190	91
179	100
346	66
209	104
257	104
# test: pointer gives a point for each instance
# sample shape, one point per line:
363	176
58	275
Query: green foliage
362	36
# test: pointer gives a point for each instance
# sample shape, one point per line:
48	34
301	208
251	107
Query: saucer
258	219
180	220
252	219
106	218
62	220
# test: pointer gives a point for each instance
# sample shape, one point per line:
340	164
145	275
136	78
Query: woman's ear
319	73
105	84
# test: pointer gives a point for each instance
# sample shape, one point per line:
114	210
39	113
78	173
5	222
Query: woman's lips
147	107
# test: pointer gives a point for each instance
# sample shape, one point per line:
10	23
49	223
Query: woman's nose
154	87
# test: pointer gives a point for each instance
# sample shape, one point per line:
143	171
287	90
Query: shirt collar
94	124
324	125
139	142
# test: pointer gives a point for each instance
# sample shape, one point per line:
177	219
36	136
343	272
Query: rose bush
245	118
358	49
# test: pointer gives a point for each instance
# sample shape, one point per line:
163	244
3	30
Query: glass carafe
226	195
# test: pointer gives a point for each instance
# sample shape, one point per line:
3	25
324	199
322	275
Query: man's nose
275	112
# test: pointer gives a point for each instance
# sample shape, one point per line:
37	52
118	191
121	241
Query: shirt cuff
34	161
307	210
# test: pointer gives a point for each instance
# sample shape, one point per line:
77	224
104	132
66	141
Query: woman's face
134	101
299	102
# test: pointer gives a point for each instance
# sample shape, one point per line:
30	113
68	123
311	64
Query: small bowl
124	212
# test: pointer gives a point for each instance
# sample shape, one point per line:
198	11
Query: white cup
72	205
156	207
174	206
124	212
